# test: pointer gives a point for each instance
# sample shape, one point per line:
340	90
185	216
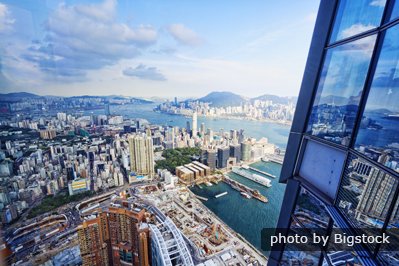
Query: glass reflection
339	256
354	17
293	257
366	194
339	90
311	212
395	11
378	136
389	253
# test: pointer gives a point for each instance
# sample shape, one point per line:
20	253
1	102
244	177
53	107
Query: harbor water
276	133
246	216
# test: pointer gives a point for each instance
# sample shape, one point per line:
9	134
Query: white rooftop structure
168	245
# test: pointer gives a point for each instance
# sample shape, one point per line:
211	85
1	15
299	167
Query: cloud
356	29
144	72
81	37
378	3
6	20
184	35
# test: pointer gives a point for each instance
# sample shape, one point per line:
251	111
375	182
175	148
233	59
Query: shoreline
232	231
264	120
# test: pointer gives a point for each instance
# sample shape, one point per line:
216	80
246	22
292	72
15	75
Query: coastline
266	120
231	231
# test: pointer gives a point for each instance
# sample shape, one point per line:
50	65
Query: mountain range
216	98
224	98
19	96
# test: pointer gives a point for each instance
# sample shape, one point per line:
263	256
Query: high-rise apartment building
141	155
341	165
116	236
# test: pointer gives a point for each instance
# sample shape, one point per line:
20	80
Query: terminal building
341	165
188	173
168	245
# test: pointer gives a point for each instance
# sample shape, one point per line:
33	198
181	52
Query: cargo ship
253	177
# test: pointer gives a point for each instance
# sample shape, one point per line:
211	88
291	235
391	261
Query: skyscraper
341	163
93	241
246	150
107	109
116	236
141	155
223	156
195	124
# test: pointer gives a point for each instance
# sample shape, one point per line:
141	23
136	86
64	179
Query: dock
261	172
243	188
201	198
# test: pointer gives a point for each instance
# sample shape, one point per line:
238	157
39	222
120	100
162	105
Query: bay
276	133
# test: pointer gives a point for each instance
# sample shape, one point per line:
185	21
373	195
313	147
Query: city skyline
103	47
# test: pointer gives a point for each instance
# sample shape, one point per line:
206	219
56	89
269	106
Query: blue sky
154	48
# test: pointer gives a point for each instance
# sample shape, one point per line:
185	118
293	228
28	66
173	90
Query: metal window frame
298	135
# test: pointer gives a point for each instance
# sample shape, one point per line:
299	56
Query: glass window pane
354	17
389	253
340	256
395	11
310	211
366	194
339	90
291	256
378	136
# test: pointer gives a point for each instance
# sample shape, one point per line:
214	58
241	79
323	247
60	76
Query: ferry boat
253	177
221	194
267	181
392	116
246	195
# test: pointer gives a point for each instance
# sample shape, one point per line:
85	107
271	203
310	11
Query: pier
201	198
243	188
261	172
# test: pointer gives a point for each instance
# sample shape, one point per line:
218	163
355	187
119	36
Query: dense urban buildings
341	165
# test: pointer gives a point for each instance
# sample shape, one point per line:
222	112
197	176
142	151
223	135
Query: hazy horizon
154	48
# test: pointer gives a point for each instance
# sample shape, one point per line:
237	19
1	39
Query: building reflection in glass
340	87
378	135
355	17
365	194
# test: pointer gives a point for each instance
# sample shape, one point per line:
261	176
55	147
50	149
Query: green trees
176	157
50	203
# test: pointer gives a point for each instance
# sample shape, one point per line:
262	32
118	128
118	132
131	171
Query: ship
246	195
273	158
253	177
392	116
221	194
235	187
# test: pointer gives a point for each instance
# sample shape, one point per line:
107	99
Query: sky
147	48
